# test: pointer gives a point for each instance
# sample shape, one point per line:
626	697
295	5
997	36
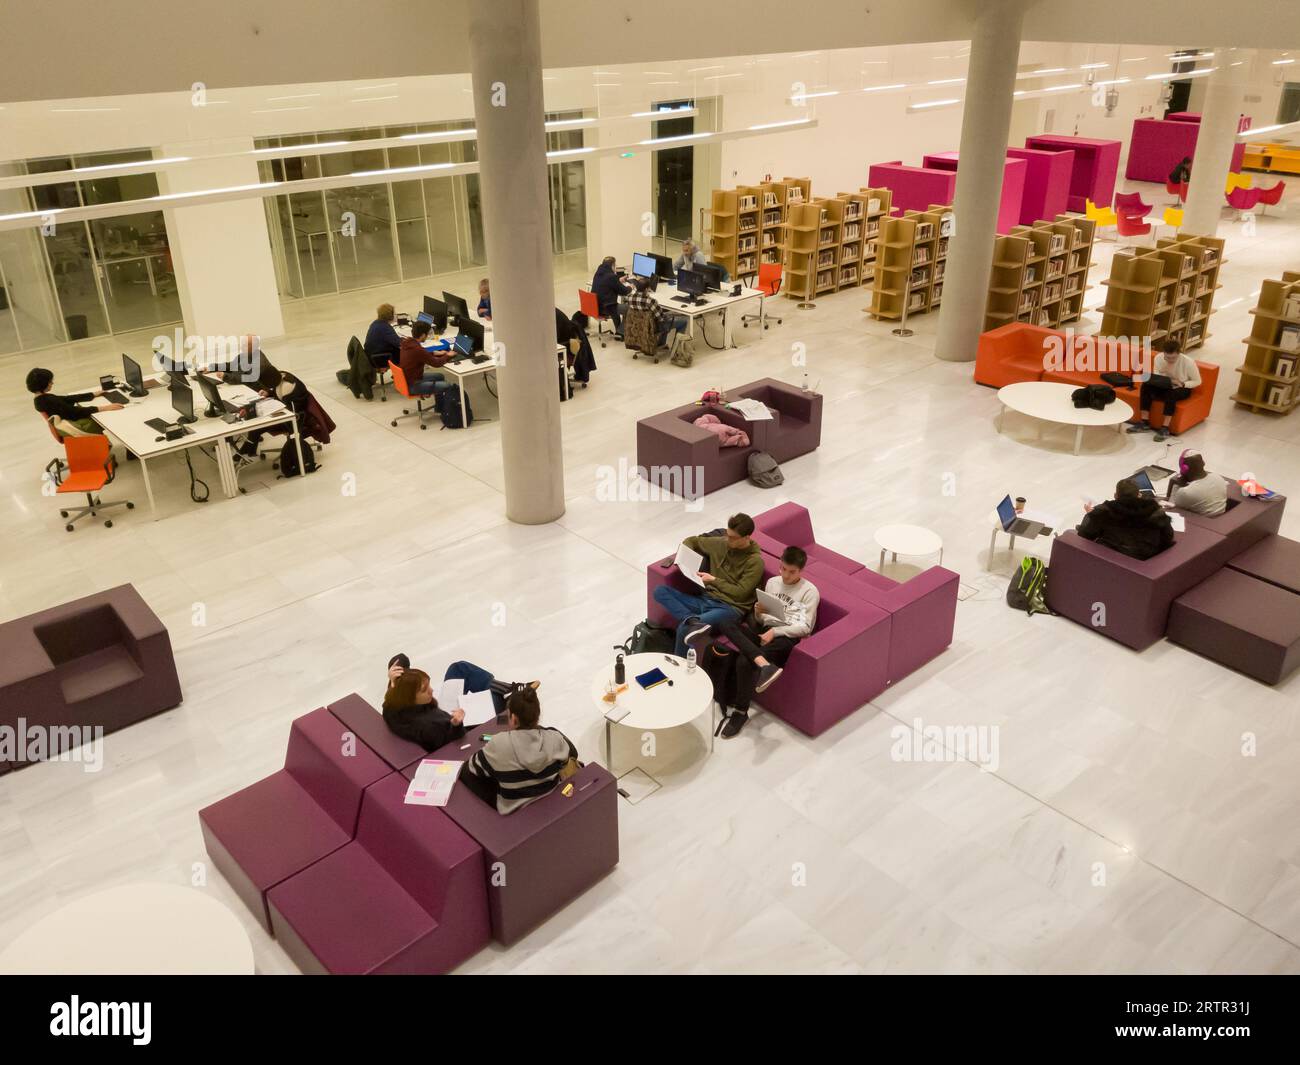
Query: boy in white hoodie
764	644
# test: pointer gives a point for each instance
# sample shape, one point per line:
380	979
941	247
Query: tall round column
505	49
985	126
1215	141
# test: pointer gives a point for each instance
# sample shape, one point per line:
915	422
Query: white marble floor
1122	829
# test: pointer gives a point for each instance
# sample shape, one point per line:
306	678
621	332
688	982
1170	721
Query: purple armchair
262	835
540	858
796	428
408	896
833	672
101	661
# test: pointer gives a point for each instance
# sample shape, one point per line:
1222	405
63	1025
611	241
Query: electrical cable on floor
704	332
487	383
195	480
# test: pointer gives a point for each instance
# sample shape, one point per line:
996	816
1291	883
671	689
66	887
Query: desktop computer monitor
456	307
473	330
182	402
664	266
713	273
132	375
691	283
644	265
209	389
436	311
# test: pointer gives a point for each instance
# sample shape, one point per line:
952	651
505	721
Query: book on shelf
824	217
749	203
945	225
1031	274
924	230
916	302
769	239
848	275
769	199
747	224
1044	318
826	277
921	256
1211	255
870	252
851	231
1180	316
1071	285
1289	338
873	205
1184	290
873	230
1026	303
852	210
794	194
1285	366
746	265
1057	244
771	218
920	277
825	259
773	256
1076	260
943	247
1291	307
827	237
1051	292
936	292
1055	268
1279	395
1189	263
1202	284
938	270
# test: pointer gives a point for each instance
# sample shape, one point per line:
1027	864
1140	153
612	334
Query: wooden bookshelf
724	228
1270	376
1164	292
802	227
1040	273
911	257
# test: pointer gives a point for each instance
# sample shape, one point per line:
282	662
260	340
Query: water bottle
690	660
619	675
804	386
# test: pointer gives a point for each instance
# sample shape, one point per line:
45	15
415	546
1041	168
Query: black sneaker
399	660
695	633
1162	433
767	677
1139	427
736	721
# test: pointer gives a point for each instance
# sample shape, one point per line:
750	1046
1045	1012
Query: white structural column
505	48
1215	142
986	121
221	252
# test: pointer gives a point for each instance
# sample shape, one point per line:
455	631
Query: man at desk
418	362
382	342
690	257
65	408
1131	523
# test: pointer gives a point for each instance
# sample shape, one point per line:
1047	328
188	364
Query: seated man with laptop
1132	523
785	612
1173	376
414	357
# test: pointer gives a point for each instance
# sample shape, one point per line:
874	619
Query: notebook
652	678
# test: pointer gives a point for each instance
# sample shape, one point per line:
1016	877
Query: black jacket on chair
1134	527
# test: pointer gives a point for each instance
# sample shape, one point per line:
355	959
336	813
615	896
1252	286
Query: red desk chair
1127	226
590	306
1178	189
1272	197
769	283
90	467
403	387
1130	204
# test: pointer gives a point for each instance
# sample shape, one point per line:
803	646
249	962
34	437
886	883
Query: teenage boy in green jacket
735	572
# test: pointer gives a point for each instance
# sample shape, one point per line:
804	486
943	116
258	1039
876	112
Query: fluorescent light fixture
814	95
884	88
1115	81
214	192
371	88
1050	70
1062	88
568	151
696	70
134	162
946	81
778	125
1280	62
371	99
666	112
32	214
295	96
83	110
444	133
559	122
276	110
1093	66
670	140
308	146
933	103
401	170
1136	59
715	77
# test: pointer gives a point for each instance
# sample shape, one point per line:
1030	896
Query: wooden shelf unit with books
910	252
878	205
1270	376
1165	291
1040	273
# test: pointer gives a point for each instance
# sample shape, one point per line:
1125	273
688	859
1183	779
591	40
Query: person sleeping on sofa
1131	523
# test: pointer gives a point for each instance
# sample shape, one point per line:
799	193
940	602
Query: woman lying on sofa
411	710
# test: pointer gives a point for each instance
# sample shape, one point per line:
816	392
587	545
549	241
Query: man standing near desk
413	357
65	408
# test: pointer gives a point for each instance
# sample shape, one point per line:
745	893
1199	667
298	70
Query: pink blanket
728	435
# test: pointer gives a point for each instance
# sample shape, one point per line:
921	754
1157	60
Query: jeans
678	321
683	605
614	311
430	383
1168	397
478	679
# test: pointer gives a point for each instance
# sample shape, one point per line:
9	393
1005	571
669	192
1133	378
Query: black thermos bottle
618	669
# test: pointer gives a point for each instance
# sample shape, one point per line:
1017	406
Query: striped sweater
523	764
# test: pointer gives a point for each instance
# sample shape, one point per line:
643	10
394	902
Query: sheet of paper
432	783
1178	522
479	708
269	406
771	605
450	692
239	394
752	410
689	562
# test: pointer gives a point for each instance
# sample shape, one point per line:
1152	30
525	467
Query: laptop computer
1143	482
1018	526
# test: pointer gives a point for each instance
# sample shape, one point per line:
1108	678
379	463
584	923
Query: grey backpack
763	470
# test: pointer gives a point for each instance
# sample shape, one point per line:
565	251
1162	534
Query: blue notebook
649	680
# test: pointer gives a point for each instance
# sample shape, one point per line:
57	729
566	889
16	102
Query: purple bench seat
1275	559
1240	622
368	725
265	833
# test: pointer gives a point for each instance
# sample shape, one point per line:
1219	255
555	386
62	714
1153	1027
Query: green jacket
738	573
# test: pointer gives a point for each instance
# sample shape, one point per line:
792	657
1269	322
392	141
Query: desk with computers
697	290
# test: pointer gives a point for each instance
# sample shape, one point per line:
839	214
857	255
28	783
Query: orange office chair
590	306
769	283
400	383
90	467
55	468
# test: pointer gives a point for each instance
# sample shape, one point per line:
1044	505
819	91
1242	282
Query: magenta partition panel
914	187
1096	163
1047	183
1158	145
1013	185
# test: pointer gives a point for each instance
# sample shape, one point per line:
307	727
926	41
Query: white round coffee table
1049	401
662	707
137	930
907	540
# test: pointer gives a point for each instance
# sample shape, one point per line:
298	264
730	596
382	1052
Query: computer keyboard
115	397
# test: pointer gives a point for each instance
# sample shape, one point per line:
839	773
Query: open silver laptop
1018	526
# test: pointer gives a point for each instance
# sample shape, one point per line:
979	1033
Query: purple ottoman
406	897
1136	595
368	725
1274	559
540	858
1240	622
260	836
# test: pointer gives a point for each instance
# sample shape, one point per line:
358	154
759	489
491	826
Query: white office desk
127	427
723	301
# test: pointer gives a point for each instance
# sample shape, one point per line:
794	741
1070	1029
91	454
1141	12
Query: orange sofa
1022	352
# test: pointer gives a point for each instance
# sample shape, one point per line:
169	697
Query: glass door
674	175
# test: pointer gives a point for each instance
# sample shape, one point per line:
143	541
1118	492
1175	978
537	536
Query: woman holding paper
411	709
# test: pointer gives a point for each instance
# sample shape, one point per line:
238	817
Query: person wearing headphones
1196	490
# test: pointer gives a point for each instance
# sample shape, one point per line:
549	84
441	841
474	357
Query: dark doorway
674	174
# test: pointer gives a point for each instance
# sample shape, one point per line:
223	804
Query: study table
127	427
666	296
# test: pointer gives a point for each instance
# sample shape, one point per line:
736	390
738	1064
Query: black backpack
647	638
1028	588
449	409
1095	396
289	458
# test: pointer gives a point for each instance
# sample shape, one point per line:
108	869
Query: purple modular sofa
871	631
671	442
1138	596
331	861
104	660
544	856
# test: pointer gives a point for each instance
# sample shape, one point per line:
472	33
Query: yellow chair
1099	216
1173	218
1238	181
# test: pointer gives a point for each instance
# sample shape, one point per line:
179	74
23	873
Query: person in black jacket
411	710
609	288
68	408
382	342
1131	523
